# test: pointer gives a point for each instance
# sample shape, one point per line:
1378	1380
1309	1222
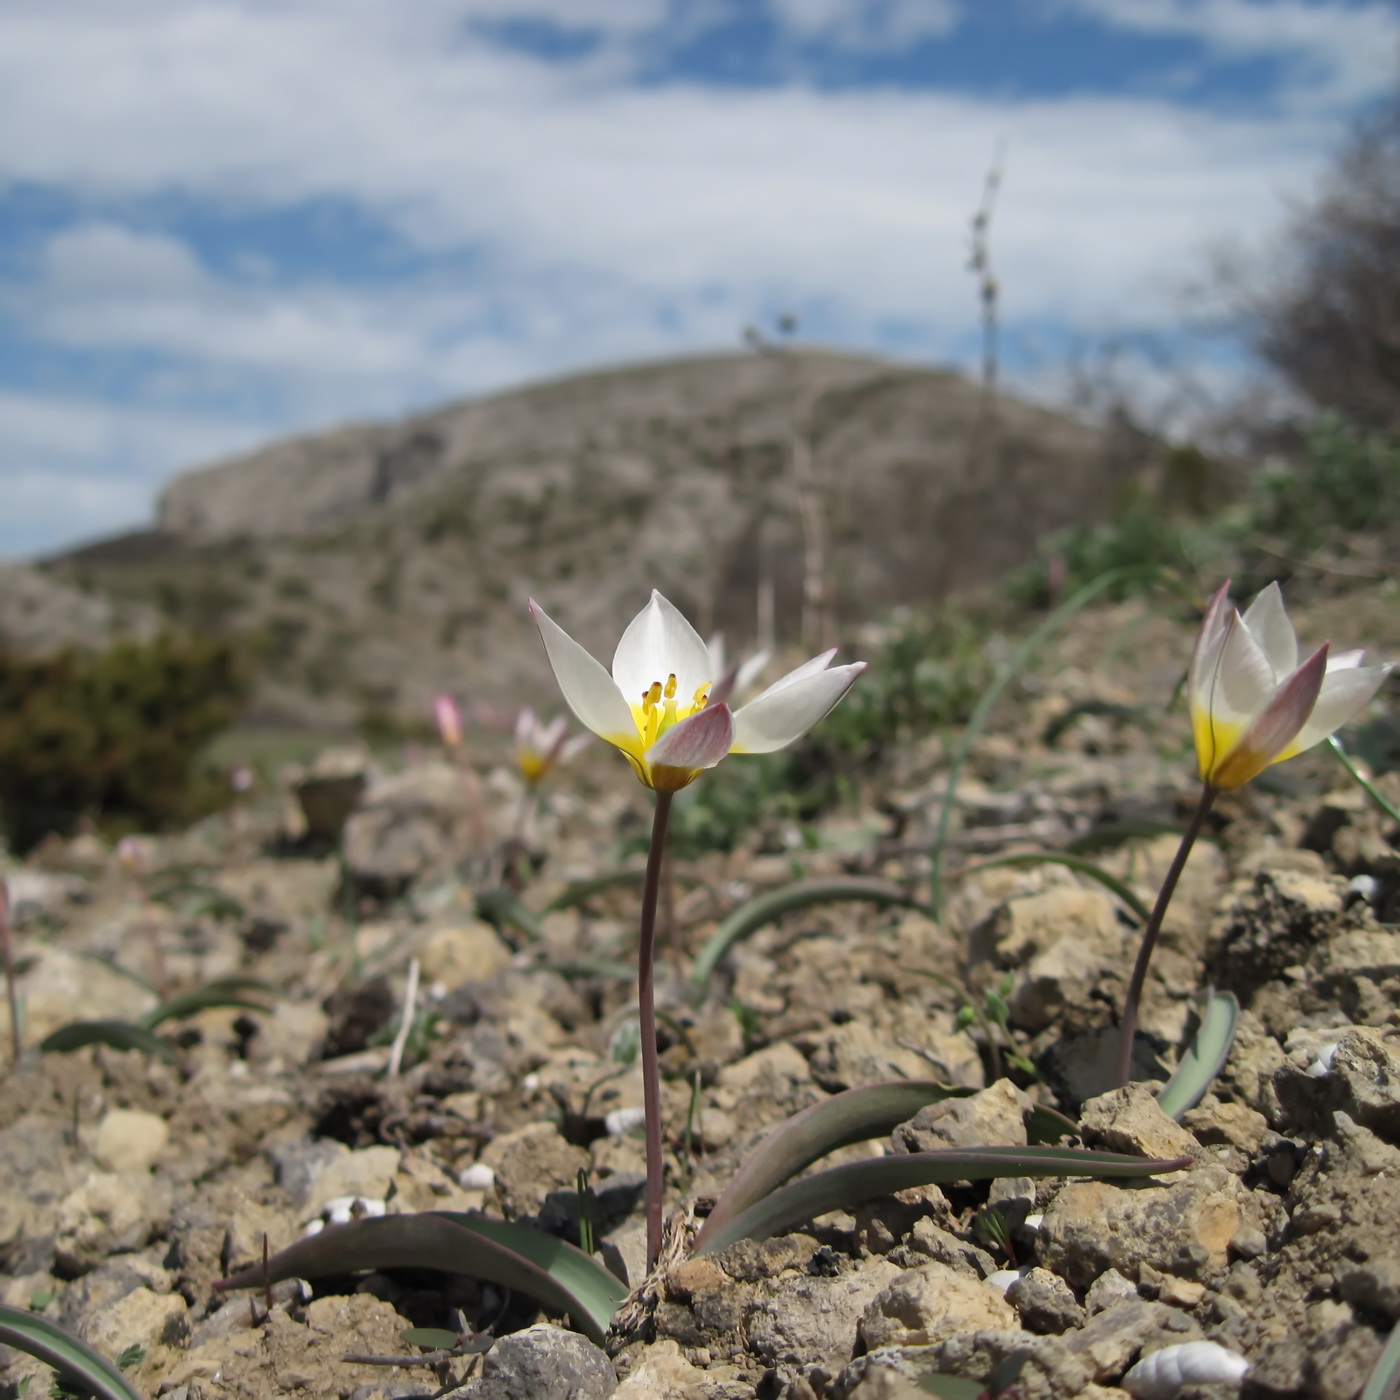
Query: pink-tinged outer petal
1208	640
787	710
659	642
1269	626
588	689
1268	737
1344	694
695	743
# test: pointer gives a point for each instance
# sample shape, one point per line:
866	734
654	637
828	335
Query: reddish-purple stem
646	999
1128	1027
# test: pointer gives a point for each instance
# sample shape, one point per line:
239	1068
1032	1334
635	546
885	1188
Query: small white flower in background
1164	1373
540	748
448	718
1251	702
667	711
133	855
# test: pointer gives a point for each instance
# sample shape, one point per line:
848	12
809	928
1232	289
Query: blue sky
225	220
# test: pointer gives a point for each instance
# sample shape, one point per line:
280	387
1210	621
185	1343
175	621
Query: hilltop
381	563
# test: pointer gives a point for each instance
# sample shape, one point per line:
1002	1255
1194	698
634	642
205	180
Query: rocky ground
131	1183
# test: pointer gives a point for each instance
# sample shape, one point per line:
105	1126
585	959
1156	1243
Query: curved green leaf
1204	1058
1070	862
1384	1381
223	991
75	1361
1383	804
854	1183
120	1035
751	916
527	1261
855	1115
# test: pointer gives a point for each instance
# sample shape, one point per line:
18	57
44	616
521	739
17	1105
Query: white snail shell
1161	1375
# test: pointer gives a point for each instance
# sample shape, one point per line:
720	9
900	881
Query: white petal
1344	693
1269	626
588	689
787	710
1244	681
808	668
659	642
1206	651
717	654
1345	660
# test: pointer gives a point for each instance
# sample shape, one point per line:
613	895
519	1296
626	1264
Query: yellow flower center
660	710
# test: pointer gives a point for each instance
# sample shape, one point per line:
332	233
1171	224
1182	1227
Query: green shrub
111	735
1346	480
1145	535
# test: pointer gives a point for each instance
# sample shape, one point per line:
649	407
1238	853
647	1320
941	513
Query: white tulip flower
667	711
1251	703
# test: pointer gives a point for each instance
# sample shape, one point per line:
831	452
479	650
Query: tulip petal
1269	626
698	742
1344	693
1268	737
588	689
660	642
808	668
1205	653
1345	660
788	709
1243	681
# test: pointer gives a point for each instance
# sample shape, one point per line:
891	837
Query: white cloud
1344	53
553	216
74	467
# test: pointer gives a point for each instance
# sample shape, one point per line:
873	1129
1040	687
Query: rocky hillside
41	613
381	563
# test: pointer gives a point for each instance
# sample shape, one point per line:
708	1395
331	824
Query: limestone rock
924	1305
530	1163
994	1117
543	1363
1131	1120
1183	1224
1045	1302
463	953
107	1214
129	1140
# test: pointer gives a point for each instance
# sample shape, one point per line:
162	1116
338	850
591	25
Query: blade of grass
1384	1381
75	1361
854	1183
1116	833
1204	1058
527	1261
751	916
501	907
1020	659
119	1035
1361	780
1070	862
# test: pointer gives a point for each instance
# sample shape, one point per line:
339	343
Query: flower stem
646	998
1128	1027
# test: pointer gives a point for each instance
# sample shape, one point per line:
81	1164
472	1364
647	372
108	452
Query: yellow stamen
702	698
671	686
